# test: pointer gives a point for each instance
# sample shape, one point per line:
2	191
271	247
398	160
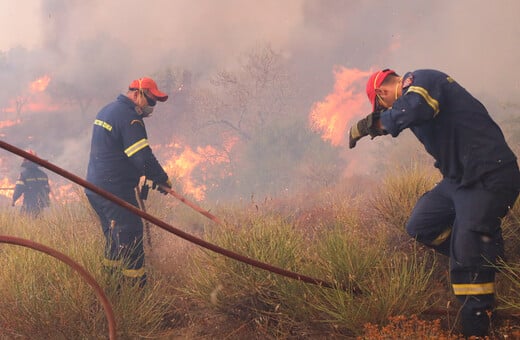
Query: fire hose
200	242
78	268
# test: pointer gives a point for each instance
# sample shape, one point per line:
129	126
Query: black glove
364	127
157	186
143	194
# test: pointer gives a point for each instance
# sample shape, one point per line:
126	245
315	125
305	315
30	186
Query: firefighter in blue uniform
120	154
33	185
461	216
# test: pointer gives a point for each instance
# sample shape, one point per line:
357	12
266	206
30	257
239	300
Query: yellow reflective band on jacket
20	183
133	272
473	288
132	149
423	93
111	263
103	124
41	179
354	132
442	237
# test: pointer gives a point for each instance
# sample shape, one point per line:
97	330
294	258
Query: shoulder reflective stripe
103	124
474	288
20	183
442	237
111	263
132	149
423	93
133	272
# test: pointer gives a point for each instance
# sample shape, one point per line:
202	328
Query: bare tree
71	94
246	99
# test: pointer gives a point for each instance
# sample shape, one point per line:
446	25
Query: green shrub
387	283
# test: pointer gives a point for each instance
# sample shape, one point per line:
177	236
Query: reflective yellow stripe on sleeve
103	124
473	288
423	93
132	149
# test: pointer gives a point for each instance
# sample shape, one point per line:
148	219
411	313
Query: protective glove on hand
158	186
364	127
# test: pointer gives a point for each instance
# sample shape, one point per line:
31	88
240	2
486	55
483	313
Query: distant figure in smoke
461	216
33	184
119	156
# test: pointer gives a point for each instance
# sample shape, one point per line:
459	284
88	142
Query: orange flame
8	123
348	100
42	106
6	183
35	100
59	192
40	84
190	164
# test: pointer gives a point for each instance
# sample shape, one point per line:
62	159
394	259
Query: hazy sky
475	40
21	24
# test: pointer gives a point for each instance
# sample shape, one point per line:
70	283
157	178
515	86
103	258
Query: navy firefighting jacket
33	184
120	153
454	127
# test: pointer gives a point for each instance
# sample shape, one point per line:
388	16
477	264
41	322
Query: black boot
476	321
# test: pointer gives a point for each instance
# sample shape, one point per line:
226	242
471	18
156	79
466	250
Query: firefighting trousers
123	231
464	223
32	210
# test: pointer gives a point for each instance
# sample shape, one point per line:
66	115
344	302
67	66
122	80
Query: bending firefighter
119	156
33	185
461	216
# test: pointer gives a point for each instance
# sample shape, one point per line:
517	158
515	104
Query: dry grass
43	298
400	189
347	235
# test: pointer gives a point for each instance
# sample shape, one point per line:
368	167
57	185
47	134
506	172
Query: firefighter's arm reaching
370	125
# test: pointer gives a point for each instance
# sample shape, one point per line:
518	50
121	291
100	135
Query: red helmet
374	82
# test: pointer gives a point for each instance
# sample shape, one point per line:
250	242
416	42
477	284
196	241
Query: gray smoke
474	40
97	47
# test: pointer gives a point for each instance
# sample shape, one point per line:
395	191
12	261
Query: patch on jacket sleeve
136	121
